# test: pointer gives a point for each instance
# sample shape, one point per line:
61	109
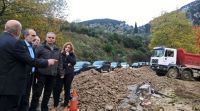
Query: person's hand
52	61
67	53
62	76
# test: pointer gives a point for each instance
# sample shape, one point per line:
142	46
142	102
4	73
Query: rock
133	109
109	107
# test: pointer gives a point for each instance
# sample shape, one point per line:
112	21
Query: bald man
13	59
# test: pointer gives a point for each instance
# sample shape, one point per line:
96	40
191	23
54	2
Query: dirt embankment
114	91
106	91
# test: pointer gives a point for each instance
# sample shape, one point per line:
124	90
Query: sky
130	11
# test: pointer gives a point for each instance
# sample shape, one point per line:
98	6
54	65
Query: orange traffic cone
74	102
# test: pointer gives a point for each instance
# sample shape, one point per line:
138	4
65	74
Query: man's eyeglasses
33	35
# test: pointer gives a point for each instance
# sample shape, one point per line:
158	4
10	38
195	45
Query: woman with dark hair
69	60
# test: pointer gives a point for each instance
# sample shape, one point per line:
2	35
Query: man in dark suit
29	37
13	59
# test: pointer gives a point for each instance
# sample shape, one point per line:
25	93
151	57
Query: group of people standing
27	64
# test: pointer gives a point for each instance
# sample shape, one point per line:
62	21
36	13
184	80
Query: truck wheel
172	73
187	75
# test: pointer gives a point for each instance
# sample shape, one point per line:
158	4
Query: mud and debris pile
106	91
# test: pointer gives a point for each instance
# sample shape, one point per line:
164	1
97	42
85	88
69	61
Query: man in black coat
46	77
13	59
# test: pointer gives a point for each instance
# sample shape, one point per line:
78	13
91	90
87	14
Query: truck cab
161	59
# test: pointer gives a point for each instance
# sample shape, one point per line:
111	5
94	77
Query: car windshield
158	52
79	64
113	63
123	63
135	64
98	62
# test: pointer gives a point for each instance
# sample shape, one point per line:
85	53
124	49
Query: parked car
142	63
124	65
82	66
135	65
147	63
102	66
114	65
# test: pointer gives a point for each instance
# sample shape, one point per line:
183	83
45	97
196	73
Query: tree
135	42
172	30
37	14
56	8
147	28
10	9
25	8
3	7
135	28
108	48
197	38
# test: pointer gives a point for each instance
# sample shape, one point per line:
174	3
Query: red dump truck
175	63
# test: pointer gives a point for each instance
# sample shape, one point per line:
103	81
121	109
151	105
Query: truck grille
154	61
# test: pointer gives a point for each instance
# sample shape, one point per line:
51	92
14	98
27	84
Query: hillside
115	26
112	49
103	22
109	26
193	11
107	39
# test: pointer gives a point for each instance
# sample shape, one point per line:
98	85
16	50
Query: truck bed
187	59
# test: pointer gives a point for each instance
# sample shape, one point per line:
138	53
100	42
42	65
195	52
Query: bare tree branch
3	8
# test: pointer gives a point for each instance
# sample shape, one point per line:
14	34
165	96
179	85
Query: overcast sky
130	11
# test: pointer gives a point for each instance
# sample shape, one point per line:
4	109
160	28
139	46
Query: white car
124	65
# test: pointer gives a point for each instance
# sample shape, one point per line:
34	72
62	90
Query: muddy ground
114	91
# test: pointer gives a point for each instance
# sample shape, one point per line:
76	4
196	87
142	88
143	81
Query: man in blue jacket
29	37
